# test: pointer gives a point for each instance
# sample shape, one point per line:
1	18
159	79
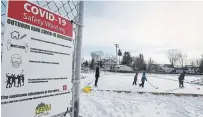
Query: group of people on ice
181	78
143	79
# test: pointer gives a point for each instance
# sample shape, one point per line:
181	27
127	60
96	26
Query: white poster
36	62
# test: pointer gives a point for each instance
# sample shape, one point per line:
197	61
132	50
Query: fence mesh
68	9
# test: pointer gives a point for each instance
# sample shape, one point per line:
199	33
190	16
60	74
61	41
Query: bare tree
173	56
100	54
150	63
139	62
182	59
192	62
97	55
195	62
93	55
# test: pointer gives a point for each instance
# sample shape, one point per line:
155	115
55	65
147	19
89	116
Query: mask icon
16	60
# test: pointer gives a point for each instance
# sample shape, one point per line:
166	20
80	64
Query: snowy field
112	104
107	104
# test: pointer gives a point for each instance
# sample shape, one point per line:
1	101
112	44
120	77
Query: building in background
167	68
190	69
122	69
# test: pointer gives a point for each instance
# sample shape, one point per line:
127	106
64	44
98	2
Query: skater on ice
135	79
181	79
143	79
97	76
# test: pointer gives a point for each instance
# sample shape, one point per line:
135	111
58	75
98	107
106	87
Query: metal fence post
78	61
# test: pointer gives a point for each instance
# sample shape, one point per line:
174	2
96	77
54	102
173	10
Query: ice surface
112	104
120	81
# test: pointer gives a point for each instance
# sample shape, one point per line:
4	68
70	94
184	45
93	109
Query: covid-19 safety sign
36	62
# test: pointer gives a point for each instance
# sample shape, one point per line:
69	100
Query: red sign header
30	13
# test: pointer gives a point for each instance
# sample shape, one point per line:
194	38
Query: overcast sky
150	28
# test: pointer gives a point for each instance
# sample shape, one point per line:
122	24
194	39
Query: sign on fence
36	62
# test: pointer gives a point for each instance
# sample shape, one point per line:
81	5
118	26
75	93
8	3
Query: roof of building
190	66
168	65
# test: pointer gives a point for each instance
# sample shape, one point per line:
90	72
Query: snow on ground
121	81
111	104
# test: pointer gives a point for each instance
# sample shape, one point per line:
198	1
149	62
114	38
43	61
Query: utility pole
117	46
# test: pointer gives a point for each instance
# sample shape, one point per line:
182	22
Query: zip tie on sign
76	81
74	22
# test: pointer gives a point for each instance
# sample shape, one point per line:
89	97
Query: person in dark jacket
97	76
135	79
181	78
143	79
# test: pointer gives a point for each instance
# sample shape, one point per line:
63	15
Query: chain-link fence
67	9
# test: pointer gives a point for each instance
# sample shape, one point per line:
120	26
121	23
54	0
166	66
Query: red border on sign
35	15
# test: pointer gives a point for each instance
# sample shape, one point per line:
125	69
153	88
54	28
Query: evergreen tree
119	54
86	64
124	58
201	67
92	64
101	63
127	59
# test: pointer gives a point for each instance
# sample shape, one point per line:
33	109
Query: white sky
150	28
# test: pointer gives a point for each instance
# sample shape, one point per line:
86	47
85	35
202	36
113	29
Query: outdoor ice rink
113	104
165	83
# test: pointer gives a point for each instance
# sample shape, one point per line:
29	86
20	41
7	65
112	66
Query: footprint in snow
155	107
158	113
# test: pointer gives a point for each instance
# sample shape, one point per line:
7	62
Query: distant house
190	69
179	70
156	68
122	68
104	64
168	68
107	63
